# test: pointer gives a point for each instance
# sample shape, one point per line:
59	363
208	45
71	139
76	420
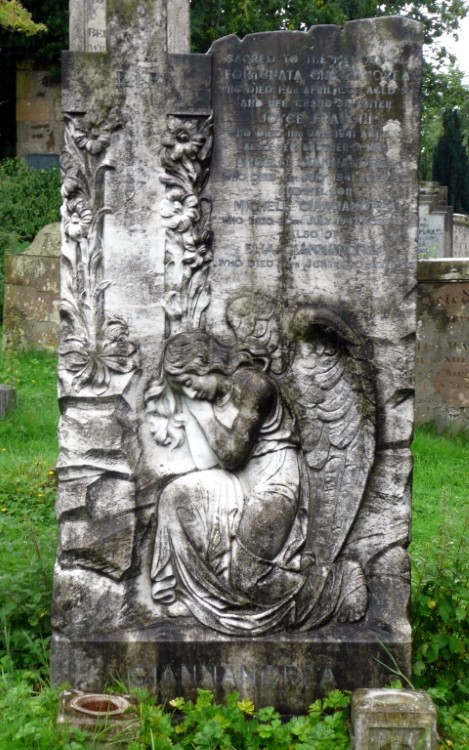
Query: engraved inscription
171	678
95	26
319	131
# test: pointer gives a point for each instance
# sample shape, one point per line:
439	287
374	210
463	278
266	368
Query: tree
451	163
442	90
14	17
45	48
214	18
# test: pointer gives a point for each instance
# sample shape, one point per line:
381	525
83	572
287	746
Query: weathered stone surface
393	719
104	545
236	357
113	718
88	25
39	126
460	236
435	221
278	670
32	293
7	399
442	366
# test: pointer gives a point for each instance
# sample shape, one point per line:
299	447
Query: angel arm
252	394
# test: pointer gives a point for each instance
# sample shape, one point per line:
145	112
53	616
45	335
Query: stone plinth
32	294
393	719
442	367
283	670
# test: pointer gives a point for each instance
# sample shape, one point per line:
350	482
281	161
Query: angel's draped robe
197	551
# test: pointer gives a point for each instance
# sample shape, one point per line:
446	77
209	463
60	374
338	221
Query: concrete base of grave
288	671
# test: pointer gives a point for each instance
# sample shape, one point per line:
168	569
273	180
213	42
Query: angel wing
333	393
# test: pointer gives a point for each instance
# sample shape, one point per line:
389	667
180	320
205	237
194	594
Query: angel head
200	365
195	365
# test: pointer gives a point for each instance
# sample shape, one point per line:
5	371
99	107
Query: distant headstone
39	124
460	236
236	358
435	221
442	365
32	294
7	399
394	720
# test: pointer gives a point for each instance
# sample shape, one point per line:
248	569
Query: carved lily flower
78	218
182	139
179	211
172	304
92	142
112	353
195	255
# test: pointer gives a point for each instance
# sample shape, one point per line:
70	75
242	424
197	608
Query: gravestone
236	358
435	221
32	294
7	399
460	236
442	364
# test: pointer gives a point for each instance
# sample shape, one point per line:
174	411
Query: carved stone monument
236	359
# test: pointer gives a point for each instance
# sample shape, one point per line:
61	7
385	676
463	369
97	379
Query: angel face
200	387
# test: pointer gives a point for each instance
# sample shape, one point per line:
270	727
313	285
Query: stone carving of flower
172	304
195	255
92	142
92	365
179	211
70	176
77	219
182	139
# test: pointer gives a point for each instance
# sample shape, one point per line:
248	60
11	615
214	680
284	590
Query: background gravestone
442	364
236	358
460	236
435	221
32	294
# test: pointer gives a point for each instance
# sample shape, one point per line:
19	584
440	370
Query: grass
441	482
28	451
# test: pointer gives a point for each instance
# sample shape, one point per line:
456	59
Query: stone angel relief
283	441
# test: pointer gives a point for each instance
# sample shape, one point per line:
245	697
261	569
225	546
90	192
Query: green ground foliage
28	704
29	199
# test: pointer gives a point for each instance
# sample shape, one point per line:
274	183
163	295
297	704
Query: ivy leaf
460	614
